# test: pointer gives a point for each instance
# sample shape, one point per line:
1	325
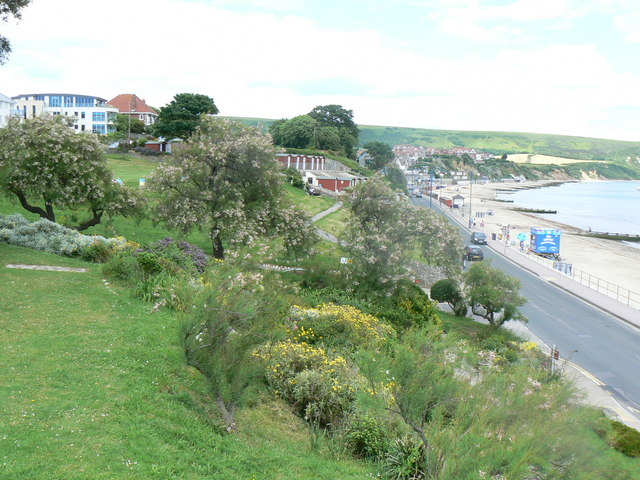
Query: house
164	146
458	201
90	113
135	107
333	181
7	108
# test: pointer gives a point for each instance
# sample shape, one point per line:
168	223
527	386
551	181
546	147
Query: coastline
612	261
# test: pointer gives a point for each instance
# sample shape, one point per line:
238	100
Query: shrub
337	325
294	177
183	253
625	439
447	290
406	460
322	389
47	236
97	252
366	437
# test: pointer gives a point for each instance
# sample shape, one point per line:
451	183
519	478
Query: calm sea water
604	206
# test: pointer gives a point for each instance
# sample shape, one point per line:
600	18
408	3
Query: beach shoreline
610	261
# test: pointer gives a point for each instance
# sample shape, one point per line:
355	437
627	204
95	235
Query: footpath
595	393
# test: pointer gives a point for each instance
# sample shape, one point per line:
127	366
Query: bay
608	206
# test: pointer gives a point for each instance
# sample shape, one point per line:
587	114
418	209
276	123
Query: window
75	113
84	101
99	117
68	101
39	97
111	128
82	127
55	100
33	110
82	115
100	129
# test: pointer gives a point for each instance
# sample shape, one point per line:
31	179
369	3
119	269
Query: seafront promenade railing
611	290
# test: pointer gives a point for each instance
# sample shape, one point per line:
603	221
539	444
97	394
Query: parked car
472	253
479	238
313	191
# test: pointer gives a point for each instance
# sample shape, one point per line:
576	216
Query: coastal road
599	343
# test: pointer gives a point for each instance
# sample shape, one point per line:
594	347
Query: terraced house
90	114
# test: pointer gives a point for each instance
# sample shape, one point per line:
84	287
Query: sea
611	206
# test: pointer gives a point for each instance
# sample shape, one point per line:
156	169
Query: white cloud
258	65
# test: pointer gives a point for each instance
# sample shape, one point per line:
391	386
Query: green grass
334	222
310	204
95	386
130	168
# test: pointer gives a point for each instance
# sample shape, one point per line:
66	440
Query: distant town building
132	105
409	154
90	114
7	108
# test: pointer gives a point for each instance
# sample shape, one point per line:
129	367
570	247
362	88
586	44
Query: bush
97	252
447	290
47	236
294	177
366	437
406	460
625	439
146	151
322	389
337	325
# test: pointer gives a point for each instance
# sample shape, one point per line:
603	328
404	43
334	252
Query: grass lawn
308	203
94	386
334	222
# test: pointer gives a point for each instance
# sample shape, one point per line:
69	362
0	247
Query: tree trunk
95	220
218	248
30	208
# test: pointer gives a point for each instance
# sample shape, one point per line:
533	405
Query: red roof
128	103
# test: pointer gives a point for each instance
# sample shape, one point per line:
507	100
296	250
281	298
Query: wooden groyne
612	236
533	210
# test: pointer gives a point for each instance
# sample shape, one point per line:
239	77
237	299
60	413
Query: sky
569	67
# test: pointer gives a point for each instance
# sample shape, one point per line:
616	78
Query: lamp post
470	199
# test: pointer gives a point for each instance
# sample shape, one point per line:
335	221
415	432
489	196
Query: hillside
624	155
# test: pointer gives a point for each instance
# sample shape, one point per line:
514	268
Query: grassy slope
95	386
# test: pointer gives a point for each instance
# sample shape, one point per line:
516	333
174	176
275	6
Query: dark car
479	238
473	253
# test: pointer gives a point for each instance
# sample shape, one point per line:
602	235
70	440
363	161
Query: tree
342	119
376	236
396	179
126	124
43	160
298	132
226	181
448	290
9	8
380	155
181	117
493	294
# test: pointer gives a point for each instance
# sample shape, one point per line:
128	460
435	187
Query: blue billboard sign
545	240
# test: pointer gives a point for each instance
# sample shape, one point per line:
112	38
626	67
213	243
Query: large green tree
380	155
46	166
9	8
181	117
226	182
126	124
492	294
341	119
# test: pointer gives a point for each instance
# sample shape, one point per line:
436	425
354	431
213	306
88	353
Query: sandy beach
608	260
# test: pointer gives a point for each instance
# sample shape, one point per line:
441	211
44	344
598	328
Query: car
314	192
473	253
479	238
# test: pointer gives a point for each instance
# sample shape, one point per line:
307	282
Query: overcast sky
550	66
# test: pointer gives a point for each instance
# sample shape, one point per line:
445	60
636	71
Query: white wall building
90	114
7	108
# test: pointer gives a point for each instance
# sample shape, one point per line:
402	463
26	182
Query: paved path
326	235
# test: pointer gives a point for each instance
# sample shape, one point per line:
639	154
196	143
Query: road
599	343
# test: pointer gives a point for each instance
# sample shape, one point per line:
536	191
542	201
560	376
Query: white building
7	108
91	114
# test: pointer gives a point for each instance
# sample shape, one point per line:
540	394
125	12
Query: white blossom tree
46	166
225	181
383	231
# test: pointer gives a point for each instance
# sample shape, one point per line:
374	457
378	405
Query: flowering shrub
321	389
185	254
47	236
332	324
